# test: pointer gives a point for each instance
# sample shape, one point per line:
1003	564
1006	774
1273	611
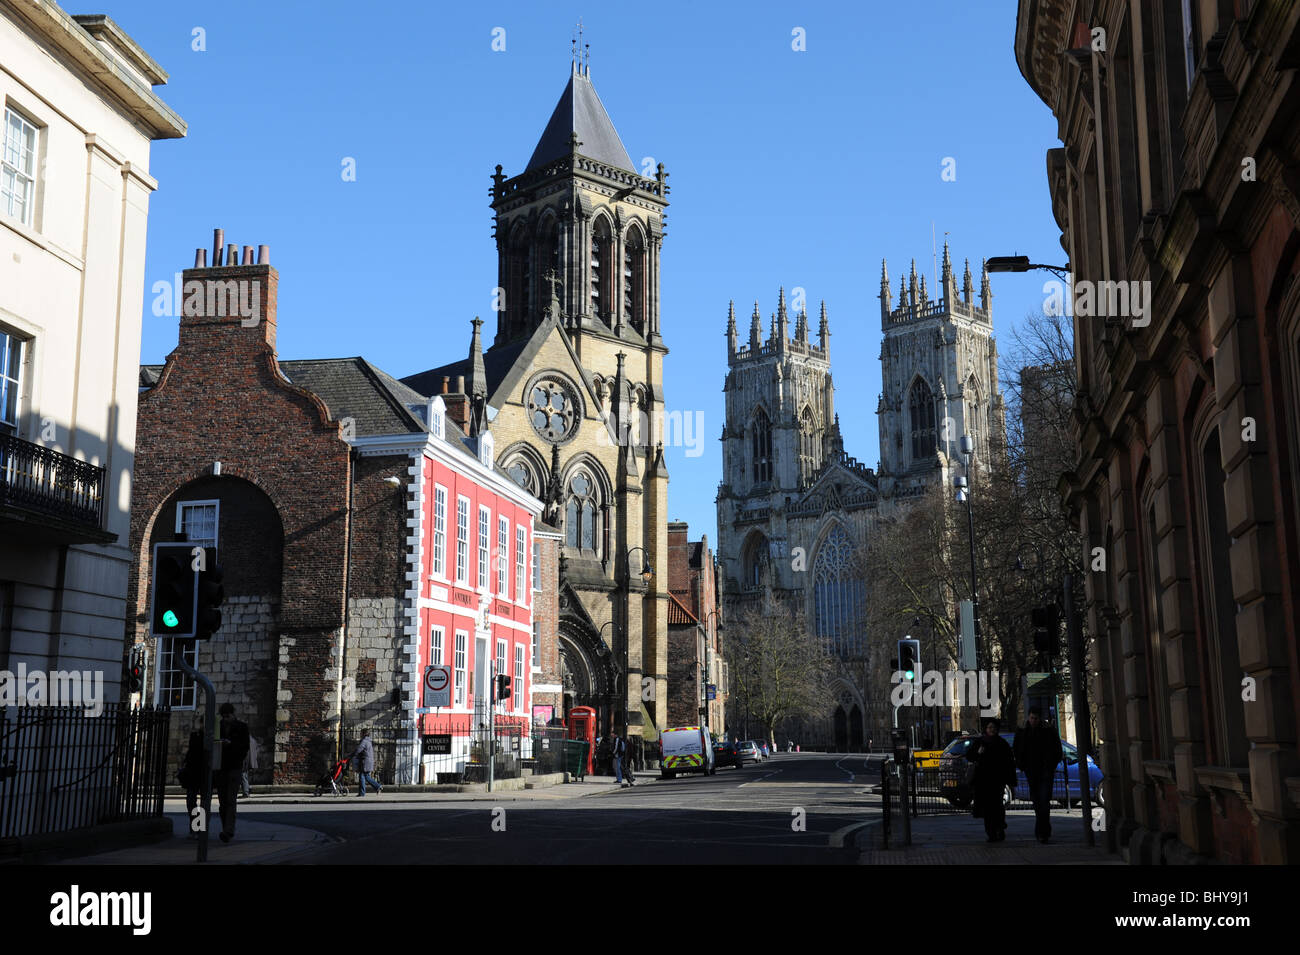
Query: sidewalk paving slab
254	842
960	840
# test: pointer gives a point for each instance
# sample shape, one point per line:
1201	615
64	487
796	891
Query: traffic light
210	596
1046	622
909	657
174	591
503	687
135	679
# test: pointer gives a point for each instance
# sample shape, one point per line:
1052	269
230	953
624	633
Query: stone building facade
794	508
1180	175
572	390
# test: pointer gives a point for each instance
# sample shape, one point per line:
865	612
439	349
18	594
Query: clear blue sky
787	168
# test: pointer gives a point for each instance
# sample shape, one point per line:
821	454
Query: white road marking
759	779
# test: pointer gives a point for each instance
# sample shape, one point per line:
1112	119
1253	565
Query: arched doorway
841	732
855	729
586	670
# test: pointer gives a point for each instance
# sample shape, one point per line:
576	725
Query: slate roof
580	111
349	387
497	363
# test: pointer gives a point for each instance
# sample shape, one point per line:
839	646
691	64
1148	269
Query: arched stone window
921	409
525	472
974	409
837	595
634	280
754	562
584	512
548	260
602	270
519	281
808	451
761	447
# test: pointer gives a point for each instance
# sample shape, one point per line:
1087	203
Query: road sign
439	745
437	686
712	691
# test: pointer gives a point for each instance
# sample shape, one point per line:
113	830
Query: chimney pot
263	255
218	242
460	384
446	380
232	254
200	258
248	255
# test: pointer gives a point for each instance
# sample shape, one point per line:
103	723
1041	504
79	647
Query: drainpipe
347	591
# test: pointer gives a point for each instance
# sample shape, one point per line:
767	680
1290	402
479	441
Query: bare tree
778	670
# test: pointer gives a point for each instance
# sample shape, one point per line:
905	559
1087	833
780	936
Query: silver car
746	752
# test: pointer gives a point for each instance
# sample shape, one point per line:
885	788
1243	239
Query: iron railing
64	769
45	481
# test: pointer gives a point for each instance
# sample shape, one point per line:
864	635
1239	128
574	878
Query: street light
963	485
708	672
1021	263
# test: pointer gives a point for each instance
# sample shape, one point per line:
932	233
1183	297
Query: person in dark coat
234	749
995	769
191	775
363	760
1038	754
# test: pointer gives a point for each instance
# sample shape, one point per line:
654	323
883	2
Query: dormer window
485	453
437	416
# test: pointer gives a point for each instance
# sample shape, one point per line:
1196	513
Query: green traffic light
169	618
911	674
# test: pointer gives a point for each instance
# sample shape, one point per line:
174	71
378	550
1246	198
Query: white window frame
436	637
537	644
484	523
517	688
440	532
16	176
9	342
183	506
537	564
462	539
461	665
503	661
503	556
521	548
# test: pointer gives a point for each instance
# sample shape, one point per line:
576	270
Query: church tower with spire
570	385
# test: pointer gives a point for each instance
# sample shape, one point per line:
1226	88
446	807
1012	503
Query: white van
686	749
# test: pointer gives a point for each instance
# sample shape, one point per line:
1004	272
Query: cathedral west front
794	507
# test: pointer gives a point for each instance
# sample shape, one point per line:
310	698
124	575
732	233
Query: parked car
725	754
686	749
747	751
759	746
956	773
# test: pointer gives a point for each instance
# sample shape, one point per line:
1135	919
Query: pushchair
332	782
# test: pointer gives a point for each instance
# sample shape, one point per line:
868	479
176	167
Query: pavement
960	840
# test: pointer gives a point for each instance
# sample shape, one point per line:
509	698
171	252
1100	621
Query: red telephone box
582	725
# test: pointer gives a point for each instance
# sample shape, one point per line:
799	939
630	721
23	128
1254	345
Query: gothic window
808	456
519	281
754	562
837	595
602	268
921	407
553	409
761	446
524	473
584	512
548	260
634	281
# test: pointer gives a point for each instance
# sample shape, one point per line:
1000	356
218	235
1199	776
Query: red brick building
694	633
347	512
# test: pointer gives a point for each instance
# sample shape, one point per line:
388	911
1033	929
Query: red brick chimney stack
229	300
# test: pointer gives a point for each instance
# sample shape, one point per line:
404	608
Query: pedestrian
617	751
1038	753
191	775
363	760
234	747
995	769
603	744
250	764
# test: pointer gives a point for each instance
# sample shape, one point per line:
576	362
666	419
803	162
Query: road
785	810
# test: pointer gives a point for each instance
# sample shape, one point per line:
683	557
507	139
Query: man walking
617	750
363	759
995	769
234	748
1038	753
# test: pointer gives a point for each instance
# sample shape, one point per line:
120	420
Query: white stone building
79	116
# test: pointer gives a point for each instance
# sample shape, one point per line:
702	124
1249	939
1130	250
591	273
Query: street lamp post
708	671
963	486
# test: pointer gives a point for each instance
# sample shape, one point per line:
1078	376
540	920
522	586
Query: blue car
956	772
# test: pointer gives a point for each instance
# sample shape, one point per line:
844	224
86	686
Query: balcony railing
43	481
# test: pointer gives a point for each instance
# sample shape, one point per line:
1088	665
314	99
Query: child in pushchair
332	782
